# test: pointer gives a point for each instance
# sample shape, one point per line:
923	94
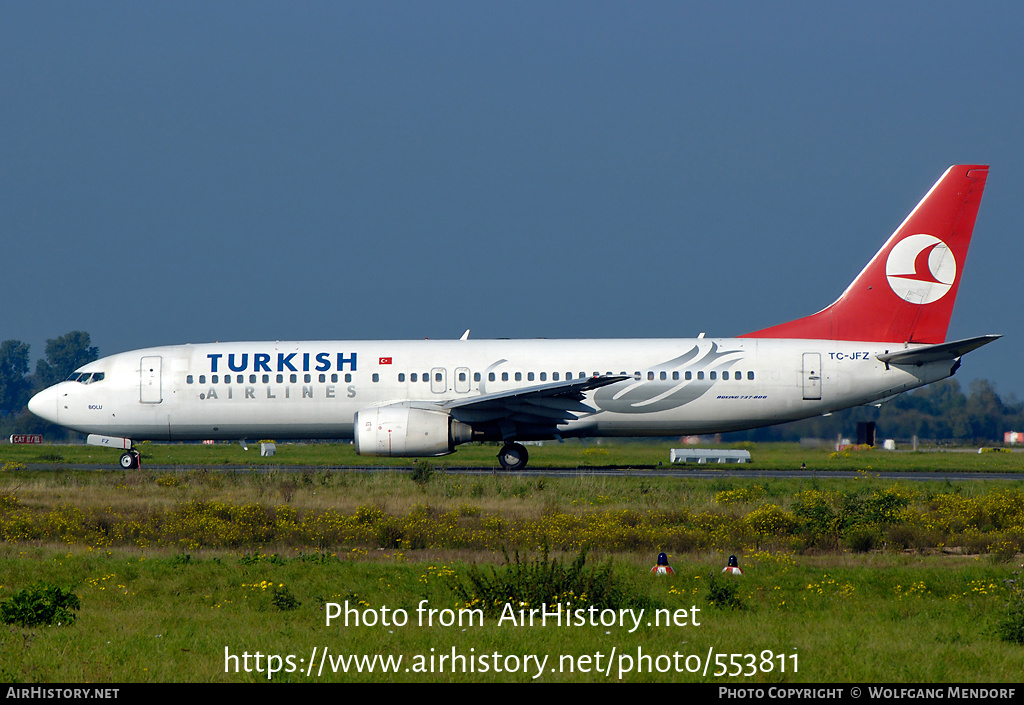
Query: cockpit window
86	377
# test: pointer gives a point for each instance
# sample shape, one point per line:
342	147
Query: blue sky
189	172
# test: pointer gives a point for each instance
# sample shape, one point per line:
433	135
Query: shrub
724	591
545	580
816	510
41	604
770	520
863	539
422	472
1011	626
283	599
389	533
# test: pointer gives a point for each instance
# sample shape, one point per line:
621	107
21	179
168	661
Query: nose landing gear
130	460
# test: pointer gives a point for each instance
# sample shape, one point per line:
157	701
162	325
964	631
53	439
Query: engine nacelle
403	431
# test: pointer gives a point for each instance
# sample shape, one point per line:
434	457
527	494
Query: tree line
63	355
938	412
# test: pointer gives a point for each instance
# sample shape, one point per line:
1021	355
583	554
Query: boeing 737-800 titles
885	335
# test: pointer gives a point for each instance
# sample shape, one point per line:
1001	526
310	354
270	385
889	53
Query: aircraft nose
44	404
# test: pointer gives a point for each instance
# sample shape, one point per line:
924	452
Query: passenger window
348	378
240	379
307	378
266	379
519	376
188	379
413	377
462	376
490	377
689	375
280	379
504	376
750	374
215	379
323	377
714	375
376	377
650	375
554	376
543	376
725	375
401	376
476	376
293	378
529	376
664	376
700	375
437	377
675	375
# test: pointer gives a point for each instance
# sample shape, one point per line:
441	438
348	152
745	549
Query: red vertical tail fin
907	290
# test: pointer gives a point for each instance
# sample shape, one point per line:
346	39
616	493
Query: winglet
907	290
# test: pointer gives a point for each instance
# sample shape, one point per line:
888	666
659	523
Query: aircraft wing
543	405
938	352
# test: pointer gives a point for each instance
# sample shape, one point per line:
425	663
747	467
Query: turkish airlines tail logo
920	269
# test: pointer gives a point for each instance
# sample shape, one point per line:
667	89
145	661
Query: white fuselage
313	389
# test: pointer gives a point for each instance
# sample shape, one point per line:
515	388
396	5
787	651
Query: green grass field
768	456
149	616
182	573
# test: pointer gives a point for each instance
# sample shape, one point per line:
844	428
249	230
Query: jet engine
403	431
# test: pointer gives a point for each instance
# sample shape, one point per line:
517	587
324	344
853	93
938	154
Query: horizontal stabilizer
936	353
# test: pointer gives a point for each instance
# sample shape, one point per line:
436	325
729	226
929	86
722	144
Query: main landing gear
513	456
130	460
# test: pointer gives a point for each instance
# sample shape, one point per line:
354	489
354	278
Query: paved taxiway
667	471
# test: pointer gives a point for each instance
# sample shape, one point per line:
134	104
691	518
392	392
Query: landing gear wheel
513	457
130	460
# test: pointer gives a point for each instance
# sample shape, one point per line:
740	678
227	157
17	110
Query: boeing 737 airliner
885	335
